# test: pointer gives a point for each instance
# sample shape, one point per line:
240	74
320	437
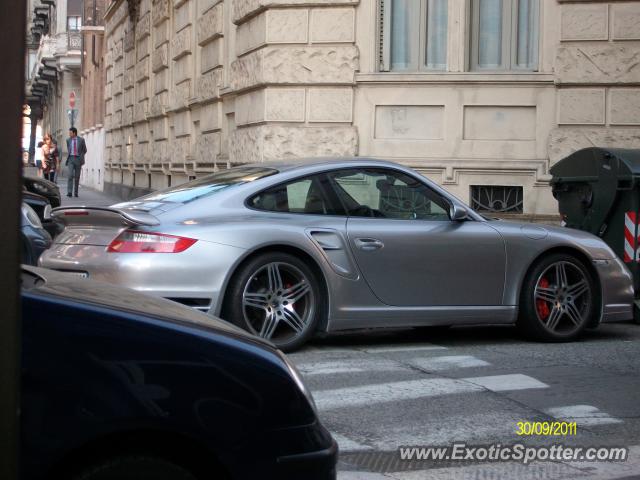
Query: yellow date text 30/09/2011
547	429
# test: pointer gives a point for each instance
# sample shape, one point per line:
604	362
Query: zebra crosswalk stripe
412	389
390	392
447	362
351	365
402	348
583	415
377	364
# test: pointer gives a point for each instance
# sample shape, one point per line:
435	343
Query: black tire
251	276
552	310
133	467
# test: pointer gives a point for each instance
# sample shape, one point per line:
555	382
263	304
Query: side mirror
457	213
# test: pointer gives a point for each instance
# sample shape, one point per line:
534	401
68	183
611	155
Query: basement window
497	199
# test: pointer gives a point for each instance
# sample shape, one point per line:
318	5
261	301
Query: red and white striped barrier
630	237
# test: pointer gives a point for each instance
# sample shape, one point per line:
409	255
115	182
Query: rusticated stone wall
192	85
197	85
163	93
293	79
597	72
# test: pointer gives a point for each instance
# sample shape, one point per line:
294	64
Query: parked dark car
35	239
117	384
43	187
42	207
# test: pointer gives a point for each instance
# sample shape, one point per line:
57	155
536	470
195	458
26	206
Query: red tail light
131	241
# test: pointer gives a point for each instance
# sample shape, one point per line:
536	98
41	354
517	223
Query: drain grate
385	462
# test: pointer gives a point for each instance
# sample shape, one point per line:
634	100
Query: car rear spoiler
103	216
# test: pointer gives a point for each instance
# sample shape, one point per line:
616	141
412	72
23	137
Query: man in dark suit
77	149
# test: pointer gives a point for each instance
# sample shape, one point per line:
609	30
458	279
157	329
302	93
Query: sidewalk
86	196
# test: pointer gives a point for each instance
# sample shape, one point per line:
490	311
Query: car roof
302	162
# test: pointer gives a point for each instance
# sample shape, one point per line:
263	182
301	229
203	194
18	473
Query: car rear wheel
129	467
276	296
558	299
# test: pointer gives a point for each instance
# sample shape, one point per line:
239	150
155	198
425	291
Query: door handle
368	244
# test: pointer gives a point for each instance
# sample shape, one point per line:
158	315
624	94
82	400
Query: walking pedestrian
77	149
50	158
38	159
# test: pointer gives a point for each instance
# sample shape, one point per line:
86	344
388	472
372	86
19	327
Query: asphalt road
379	390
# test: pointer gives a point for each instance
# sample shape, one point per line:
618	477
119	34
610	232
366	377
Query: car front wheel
276	296
558	299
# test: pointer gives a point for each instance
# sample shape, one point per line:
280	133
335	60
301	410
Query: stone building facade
482	96
93	84
54	65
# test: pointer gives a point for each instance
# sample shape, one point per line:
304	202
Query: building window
74	23
496	199
504	34
413	35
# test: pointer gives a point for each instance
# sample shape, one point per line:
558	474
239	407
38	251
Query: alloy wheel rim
562	298
278	302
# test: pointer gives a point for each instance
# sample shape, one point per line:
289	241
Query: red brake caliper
541	305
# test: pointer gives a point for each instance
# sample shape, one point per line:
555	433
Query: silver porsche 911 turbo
289	249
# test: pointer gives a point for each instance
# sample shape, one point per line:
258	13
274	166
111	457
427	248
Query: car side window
304	195
386	193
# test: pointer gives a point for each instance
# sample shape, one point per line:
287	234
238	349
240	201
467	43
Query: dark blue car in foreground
120	385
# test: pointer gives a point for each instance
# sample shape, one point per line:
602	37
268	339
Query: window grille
497	199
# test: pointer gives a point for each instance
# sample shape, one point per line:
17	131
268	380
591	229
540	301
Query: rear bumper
197	273
617	290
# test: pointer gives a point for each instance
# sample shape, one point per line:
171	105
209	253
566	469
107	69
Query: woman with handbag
50	158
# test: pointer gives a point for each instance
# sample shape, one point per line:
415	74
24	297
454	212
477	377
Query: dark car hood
43	187
43	181
70	287
30	197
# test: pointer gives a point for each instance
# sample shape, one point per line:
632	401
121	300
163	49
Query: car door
409	251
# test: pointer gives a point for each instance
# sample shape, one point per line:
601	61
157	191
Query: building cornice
111	9
465	78
97	30
133	9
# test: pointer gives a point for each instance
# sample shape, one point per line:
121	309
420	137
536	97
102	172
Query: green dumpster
598	190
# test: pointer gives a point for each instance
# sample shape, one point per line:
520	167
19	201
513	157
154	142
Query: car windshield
210	184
